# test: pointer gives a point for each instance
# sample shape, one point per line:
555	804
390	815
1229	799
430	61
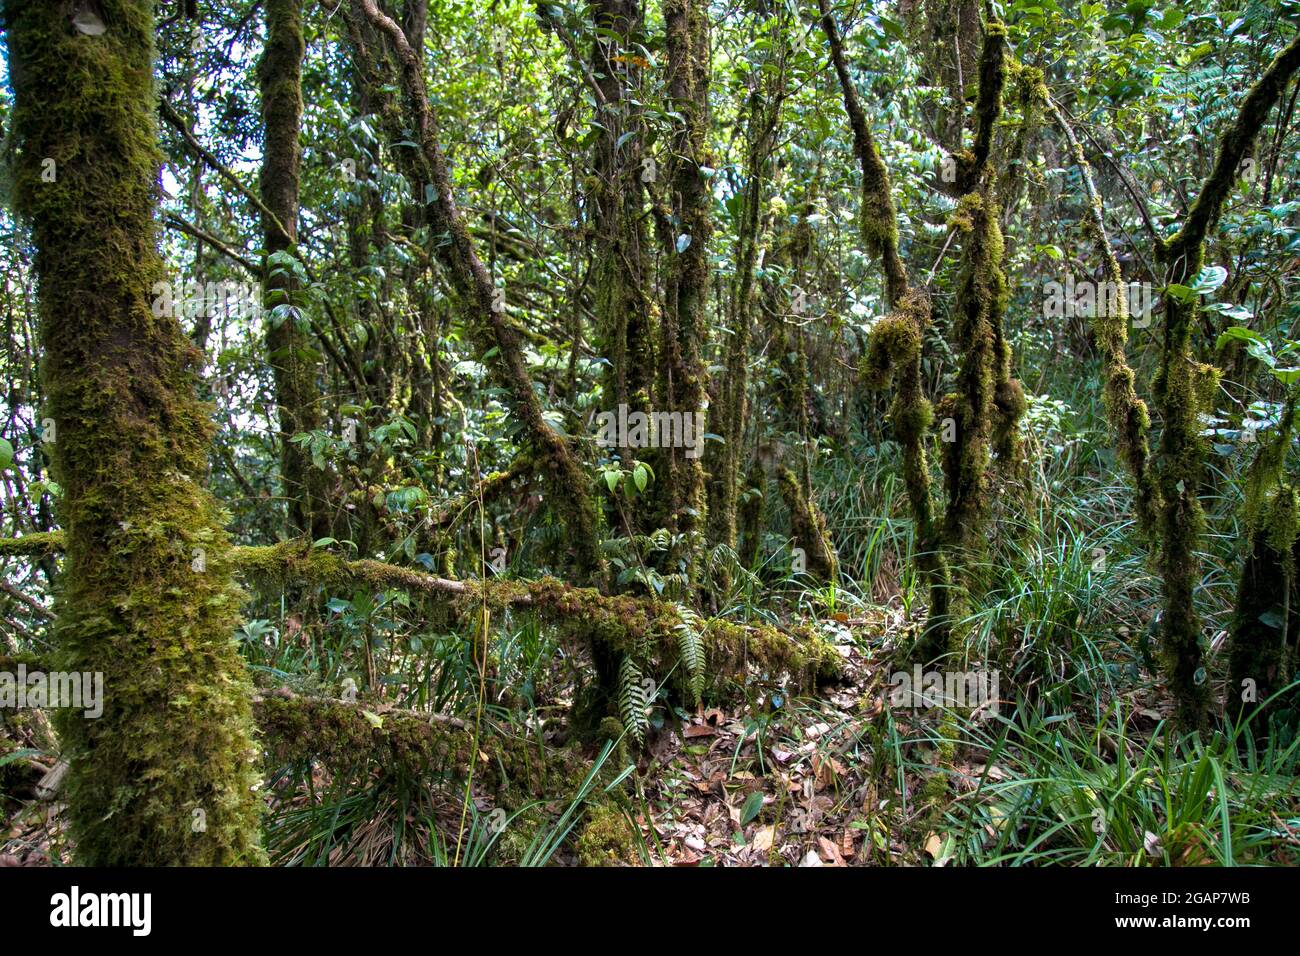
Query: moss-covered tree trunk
894	349
617	205
427	171
166	774
973	406
1183	389
682	333
730	415
292	356
1127	413
988	402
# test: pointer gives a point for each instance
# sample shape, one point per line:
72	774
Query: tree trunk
619	271
166	775
682	381
292	357
1183	389
894	351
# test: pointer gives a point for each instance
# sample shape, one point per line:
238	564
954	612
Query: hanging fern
632	702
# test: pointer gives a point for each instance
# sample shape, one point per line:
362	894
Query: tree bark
1183	388
682	381
292	356
166	775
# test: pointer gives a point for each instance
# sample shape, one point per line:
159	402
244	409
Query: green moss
38	544
985	364
176	733
1182	521
912	422
808	527
963	217
608	838
1010	405
894	341
343	738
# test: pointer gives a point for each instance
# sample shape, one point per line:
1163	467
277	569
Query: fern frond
632	702
691	651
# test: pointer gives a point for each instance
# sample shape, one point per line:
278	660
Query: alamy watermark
624	429
229	299
79	690
919	689
75	909
1085	298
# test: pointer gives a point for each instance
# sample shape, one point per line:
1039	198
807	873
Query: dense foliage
616	406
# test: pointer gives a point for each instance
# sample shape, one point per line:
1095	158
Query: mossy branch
622	623
37	544
177	122
1183	247
879	222
343	735
988	105
1127	412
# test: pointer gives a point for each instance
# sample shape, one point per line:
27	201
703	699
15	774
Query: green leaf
893	28
611	480
753	804
374	719
1232	311
1237	333
639	477
1209	279
6	454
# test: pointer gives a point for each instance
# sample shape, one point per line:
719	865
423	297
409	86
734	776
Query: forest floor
767	781
801	784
